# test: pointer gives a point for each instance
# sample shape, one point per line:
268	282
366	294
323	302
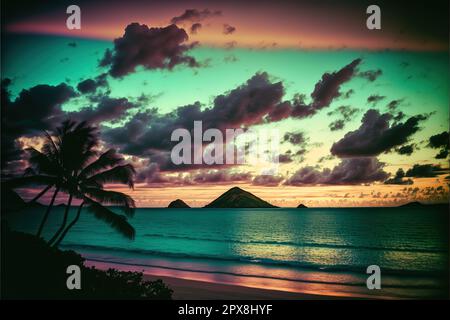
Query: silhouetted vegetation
32	269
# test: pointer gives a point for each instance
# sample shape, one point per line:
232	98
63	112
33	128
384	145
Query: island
238	198
178	204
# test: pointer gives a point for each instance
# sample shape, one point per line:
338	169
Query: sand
201	290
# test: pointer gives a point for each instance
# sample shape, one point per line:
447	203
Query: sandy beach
201	290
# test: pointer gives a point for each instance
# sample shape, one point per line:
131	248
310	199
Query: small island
301	206
178	204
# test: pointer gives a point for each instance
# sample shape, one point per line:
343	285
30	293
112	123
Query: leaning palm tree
70	162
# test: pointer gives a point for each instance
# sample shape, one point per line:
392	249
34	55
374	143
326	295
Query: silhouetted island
178	204
238	198
301	206
417	204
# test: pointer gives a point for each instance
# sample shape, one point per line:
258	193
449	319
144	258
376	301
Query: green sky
418	78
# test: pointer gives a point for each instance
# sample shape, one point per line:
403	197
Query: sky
362	114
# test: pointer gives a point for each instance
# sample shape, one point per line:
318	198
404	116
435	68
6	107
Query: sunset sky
353	105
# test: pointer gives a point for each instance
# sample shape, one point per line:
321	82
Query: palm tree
70	163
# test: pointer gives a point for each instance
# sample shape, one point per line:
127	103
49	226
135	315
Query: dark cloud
394	104
267	180
107	109
227	29
348	172
150	48
219	176
405	150
295	138
346	113
370	75
285	158
195	27
195	15
280	112
399	179
91	85
32	111
246	105
347	94
375	98
440	141
337	125
424	171
327	89
376	135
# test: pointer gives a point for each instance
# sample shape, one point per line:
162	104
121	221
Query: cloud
327	89
399	179
195	27
220	176
376	135
405	150
295	138
228	29
349	171
91	85
32	111
107	109
425	171
346	113
440	141
337	125
394	104
150	48
267	180
149	131
375	98
195	15
370	75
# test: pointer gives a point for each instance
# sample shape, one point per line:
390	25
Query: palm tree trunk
47	212
40	194
63	225
69	226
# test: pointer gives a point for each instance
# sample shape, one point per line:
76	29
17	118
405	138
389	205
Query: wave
297	244
237	274
355	269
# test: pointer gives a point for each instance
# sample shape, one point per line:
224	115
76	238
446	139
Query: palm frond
119	174
107	160
41	162
107	197
116	221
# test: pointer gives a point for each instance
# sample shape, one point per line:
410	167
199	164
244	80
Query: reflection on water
314	250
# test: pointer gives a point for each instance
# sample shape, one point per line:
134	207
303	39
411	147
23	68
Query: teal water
329	249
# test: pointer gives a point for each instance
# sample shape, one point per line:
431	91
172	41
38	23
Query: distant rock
238	198
415	204
302	206
178	204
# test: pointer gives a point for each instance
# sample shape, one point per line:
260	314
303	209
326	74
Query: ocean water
315	250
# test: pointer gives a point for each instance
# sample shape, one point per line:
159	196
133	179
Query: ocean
317	250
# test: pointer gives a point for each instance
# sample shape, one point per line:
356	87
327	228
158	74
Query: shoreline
185	289
194	286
